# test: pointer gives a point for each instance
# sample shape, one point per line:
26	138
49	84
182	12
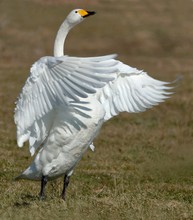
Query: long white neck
60	39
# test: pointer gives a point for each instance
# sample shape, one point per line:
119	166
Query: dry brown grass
142	167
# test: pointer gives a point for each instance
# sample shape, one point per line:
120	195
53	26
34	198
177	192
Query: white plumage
65	101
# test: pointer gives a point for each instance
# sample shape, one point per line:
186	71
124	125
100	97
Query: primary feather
132	90
53	82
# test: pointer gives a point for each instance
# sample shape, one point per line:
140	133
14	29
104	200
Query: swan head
75	17
78	15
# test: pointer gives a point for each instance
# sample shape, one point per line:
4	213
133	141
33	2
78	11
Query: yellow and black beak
85	13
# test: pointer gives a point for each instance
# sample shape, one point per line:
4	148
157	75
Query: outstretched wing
54	82
132	91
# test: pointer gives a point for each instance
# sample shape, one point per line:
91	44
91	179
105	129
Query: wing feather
132	90
53	82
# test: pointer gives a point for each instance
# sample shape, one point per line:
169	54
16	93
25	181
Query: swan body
67	141
66	100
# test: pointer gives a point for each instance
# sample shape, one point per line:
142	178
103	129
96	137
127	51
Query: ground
142	167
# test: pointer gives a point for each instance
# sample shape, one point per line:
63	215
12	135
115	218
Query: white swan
65	101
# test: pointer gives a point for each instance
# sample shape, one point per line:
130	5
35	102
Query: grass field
142	167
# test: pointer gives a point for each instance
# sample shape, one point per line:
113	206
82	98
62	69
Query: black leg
66	182
43	185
